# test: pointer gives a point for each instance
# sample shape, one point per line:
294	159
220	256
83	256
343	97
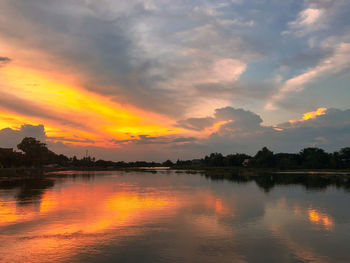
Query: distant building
245	162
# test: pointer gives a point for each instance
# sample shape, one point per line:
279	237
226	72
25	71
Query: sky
159	79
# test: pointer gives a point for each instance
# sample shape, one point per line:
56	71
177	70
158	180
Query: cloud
4	61
196	124
32	109
326	128
11	137
228	70
69	140
182	60
238	119
149	54
308	20
329	129
315	16
185	139
322	118
147	139
236	22
338	61
137	52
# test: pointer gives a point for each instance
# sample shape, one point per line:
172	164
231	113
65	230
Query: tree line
34	153
307	158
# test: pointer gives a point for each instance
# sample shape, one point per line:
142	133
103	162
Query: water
171	217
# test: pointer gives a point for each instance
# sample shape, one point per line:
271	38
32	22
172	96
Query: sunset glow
311	115
314	114
101	77
174	131
68	105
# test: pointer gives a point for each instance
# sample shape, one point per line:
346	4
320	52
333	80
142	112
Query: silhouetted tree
286	160
62	160
263	159
344	157
235	159
168	163
334	160
35	152
10	158
314	158
184	162
214	159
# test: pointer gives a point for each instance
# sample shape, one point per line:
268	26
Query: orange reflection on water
7	213
321	219
126	203
297	209
215	203
77	215
47	203
10	212
218	206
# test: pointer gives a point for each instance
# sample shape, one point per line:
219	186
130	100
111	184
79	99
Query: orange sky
75	115
89	115
99	76
72	114
49	94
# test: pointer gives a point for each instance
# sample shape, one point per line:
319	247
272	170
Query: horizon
140	80
314	150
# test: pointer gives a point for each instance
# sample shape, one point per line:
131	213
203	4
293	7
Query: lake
171	216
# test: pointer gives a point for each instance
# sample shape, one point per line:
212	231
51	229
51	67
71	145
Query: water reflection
29	189
268	181
321	218
169	217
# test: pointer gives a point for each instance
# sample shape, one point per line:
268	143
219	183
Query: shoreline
240	171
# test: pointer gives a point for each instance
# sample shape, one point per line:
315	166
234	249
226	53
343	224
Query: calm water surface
170	217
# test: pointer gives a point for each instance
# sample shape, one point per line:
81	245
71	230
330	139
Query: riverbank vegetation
308	158
35	154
